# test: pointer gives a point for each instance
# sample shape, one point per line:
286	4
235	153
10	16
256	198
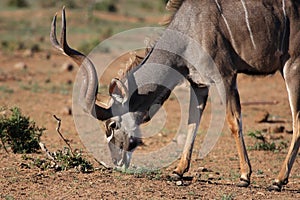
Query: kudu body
252	37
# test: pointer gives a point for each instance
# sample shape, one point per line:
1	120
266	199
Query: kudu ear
118	91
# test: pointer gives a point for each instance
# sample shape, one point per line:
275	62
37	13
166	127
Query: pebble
48	55
203	169
262	117
278	129
67	67
260	193
69	82
28	53
211	176
20	66
66	111
48	80
260	176
179	183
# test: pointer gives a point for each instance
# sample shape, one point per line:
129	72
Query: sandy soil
44	88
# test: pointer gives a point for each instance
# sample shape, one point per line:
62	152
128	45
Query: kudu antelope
252	37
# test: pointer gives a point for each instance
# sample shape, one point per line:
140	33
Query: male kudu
252	37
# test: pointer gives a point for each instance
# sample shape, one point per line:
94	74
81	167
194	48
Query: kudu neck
151	83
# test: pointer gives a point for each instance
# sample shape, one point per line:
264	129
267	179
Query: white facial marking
227	25
248	24
120	162
110	137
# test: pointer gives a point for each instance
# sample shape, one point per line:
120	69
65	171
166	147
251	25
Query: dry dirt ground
44	88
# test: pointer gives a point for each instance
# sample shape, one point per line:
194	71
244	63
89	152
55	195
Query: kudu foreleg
198	98
234	119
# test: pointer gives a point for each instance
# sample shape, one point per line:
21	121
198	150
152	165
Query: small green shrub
18	3
227	197
54	3
147	5
263	144
18	132
67	160
47	4
62	160
106	5
69	3
10	45
151	174
6	89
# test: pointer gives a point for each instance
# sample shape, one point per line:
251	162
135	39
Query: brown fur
173	6
133	61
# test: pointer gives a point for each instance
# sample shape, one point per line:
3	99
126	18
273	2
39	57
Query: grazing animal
254	37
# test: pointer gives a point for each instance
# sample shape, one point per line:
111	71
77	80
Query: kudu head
122	130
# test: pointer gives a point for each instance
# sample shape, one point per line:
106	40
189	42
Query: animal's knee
233	124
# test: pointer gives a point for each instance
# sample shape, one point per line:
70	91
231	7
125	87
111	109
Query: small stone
48	55
262	117
35	48
203	169
196	178
67	67
66	111
278	129
41	39
69	82
260	193
28	53
48	80
20	66
3	112
211	176
179	183
260	176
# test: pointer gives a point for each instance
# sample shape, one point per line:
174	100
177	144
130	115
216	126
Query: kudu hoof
277	185
175	177
274	187
243	183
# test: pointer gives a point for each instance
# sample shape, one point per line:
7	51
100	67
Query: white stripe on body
248	24
285	25
227	25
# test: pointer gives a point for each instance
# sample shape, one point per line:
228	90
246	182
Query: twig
48	153
4	145
58	130
103	164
